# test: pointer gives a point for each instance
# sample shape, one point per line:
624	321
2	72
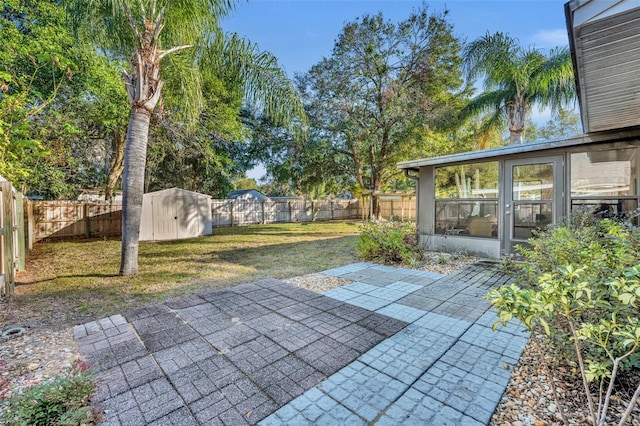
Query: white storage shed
175	213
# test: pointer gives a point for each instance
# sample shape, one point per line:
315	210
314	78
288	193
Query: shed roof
176	192
525	148
605	45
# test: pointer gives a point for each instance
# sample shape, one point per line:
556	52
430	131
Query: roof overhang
526	148
604	36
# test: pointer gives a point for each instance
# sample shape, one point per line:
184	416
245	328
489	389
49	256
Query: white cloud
551	38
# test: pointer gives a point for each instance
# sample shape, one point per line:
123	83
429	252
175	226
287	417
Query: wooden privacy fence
66	219
13	247
399	205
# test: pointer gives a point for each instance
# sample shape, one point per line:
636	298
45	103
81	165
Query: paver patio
396	346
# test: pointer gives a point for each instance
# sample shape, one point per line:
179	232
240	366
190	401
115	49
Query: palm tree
149	32
516	78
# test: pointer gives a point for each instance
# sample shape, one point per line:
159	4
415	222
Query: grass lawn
71	282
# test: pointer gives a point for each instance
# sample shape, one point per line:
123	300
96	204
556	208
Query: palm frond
190	21
118	25
491	56
105	22
493	103
555	80
264	82
184	81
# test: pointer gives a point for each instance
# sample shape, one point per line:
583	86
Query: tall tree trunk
517	113
376	187
135	156
116	164
143	89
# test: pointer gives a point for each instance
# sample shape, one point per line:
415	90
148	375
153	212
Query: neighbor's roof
246	194
604	36
525	148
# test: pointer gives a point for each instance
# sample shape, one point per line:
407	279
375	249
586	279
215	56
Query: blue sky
301	32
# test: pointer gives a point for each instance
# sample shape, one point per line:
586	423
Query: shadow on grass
303	254
172	272
44	280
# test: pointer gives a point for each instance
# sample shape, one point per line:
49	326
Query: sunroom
487	202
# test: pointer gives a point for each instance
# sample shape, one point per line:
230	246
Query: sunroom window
605	181
467	200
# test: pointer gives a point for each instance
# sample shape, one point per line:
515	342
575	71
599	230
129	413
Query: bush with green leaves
581	279
390	243
62	401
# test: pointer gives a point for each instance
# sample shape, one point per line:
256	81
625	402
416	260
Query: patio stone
400	347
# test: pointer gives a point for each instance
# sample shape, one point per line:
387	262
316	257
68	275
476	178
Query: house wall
481	247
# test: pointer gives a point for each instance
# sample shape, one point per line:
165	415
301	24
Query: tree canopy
515	79
34	65
384	86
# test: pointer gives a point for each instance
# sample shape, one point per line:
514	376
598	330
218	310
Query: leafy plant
389	243
63	401
581	279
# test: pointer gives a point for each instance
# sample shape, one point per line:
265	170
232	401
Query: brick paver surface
395	347
231	356
446	368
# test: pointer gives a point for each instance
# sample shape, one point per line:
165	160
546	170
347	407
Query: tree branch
157	27
163	53
132	22
632	404
128	85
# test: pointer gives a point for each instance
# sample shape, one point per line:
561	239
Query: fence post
313	210
331	209
7	238
289	205
231	211
87	220
262	210
20	226
29	224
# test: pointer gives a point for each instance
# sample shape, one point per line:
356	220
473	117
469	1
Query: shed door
188	221
533	197
165	218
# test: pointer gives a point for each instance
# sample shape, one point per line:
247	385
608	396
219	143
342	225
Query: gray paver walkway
396	346
446	368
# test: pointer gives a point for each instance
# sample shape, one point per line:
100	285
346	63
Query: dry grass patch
74	281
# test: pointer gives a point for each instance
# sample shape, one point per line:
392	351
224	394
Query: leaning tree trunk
116	164
133	187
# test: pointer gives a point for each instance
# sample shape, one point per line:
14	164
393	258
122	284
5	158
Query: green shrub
580	282
389	243
63	401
